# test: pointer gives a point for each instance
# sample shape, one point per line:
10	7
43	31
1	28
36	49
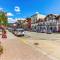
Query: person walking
4	33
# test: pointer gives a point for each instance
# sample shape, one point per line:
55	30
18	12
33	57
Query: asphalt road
48	44
16	49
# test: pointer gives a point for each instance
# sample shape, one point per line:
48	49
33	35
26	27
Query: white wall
36	17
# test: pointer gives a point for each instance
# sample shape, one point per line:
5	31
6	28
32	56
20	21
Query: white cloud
1	9
37	12
17	9
9	14
11	20
20	19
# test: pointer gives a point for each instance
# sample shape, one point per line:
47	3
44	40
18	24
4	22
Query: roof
40	16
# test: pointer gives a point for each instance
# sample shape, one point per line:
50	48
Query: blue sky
26	8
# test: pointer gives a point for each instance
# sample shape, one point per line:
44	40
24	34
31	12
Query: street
23	48
29	30
48	44
15	49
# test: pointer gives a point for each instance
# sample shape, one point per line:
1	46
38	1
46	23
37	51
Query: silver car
19	32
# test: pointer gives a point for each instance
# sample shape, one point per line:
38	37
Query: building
34	20
58	23
51	23
20	22
41	25
36	17
28	22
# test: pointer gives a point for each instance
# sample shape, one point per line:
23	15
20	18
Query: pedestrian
4	33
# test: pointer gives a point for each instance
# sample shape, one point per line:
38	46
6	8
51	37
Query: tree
3	18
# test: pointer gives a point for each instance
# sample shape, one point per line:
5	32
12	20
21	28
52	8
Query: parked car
49	32
19	32
10	29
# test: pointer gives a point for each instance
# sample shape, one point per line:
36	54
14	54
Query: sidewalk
9	36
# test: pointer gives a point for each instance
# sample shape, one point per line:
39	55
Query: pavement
48	44
16	49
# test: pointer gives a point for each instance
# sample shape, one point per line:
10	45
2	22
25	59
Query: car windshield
20	30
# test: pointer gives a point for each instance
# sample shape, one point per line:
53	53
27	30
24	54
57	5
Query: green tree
3	18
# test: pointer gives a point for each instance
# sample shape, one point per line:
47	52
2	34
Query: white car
19	32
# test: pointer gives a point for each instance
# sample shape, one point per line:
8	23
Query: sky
26	8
